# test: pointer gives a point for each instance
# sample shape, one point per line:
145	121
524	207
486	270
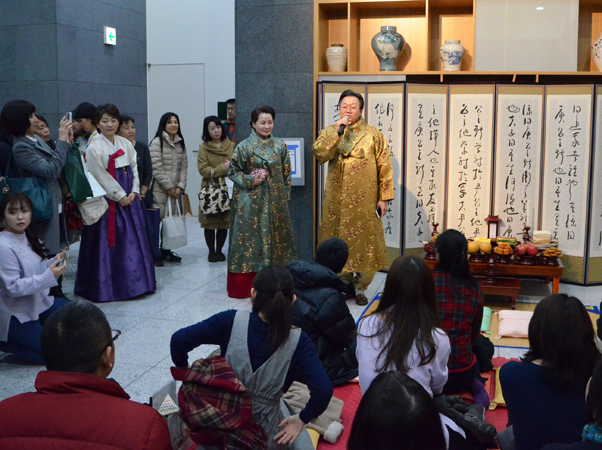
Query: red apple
521	249
532	250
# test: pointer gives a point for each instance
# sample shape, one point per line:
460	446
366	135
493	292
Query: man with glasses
75	405
359	184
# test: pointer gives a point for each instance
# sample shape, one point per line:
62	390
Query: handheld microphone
342	127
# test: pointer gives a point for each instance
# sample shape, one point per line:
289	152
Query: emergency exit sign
110	36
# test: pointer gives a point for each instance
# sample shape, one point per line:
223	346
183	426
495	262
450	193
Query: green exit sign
110	36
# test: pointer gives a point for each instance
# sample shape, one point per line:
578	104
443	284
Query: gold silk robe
360	174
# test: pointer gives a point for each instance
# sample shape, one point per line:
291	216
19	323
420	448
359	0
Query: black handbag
35	188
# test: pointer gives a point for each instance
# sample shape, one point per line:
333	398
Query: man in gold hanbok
359	184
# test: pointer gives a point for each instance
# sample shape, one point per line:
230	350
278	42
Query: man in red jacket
76	406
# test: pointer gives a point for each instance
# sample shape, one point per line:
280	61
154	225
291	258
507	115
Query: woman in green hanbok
261	224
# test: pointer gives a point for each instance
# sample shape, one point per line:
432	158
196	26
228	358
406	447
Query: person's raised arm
28	158
325	147
214	330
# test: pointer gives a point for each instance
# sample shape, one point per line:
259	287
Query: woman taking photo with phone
31	156
26	276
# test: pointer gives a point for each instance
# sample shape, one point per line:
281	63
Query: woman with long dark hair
545	393
262	234
213	163
460	302
170	167
266	354
27	273
403	335
396	413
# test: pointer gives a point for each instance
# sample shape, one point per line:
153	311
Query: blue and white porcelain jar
388	45
451	55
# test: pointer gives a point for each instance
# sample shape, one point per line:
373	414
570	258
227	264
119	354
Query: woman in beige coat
214	161
170	164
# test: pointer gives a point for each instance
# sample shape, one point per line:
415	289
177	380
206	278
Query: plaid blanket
216	407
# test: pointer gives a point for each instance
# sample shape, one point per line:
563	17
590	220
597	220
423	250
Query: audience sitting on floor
321	312
545	393
267	354
403	335
396	413
460	304
592	432
75	406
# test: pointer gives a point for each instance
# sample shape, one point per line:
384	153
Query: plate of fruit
526	254
478	249
503	253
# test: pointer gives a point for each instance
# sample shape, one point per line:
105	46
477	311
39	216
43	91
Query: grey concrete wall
53	56
274	66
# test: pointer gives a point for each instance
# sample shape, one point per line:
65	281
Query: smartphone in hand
378	212
69	116
64	259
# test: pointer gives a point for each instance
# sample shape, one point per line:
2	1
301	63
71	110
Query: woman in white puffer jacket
170	165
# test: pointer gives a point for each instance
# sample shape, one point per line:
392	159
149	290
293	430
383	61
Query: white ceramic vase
597	53
451	55
337	58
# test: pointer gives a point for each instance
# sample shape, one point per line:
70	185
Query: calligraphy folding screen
566	173
594	263
519	127
385	112
426	157
470	158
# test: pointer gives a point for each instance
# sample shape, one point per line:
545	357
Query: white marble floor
189	292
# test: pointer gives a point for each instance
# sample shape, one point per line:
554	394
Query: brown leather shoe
361	300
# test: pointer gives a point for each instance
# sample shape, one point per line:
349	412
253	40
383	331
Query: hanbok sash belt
111	224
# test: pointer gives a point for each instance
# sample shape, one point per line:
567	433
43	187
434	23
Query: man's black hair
333	253
74	338
352	93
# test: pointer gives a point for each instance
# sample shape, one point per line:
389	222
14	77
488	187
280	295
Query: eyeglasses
349	108
116	335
